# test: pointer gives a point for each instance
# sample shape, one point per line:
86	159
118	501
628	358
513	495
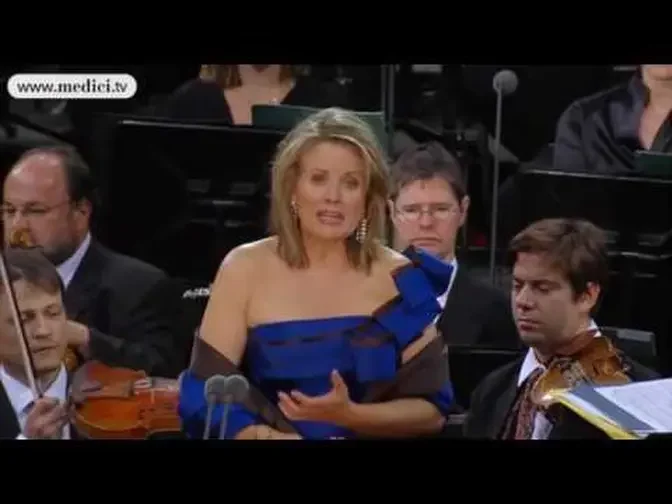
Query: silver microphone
504	82
235	389
214	386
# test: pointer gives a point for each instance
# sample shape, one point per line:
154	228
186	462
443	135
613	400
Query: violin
119	403
21	238
594	361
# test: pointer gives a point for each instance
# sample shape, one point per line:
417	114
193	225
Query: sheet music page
586	406
649	401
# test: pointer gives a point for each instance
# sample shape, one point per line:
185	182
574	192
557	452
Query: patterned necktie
524	423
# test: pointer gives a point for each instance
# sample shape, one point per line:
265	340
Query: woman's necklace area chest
338	293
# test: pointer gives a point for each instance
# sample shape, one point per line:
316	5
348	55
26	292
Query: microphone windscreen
215	388
237	388
506	81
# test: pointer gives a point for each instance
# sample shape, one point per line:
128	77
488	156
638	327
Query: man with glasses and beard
120	310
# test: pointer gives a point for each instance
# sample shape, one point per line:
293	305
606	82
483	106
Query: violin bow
28	362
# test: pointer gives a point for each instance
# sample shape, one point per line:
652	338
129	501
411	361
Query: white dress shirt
542	427
444	297
21	396
68	268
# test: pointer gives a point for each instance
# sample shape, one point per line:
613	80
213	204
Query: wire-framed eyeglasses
29	211
438	211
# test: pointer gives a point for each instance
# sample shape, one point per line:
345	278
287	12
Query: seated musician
429	204
558	279
38	295
601	133
321	316
120	310
226	93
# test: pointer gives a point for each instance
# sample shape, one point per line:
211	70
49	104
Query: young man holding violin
559	274
38	292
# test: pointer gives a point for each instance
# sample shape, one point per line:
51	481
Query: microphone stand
388	74
495	184
215	398
225	417
208	420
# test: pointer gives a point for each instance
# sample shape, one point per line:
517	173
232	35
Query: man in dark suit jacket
428	206
560	268
121	311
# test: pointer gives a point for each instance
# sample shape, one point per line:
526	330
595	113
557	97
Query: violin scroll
21	238
71	360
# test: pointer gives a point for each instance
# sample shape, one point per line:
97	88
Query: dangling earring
293	209
361	230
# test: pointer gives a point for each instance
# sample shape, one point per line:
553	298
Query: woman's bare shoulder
244	262
389	260
250	254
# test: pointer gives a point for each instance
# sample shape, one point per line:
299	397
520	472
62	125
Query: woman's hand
282	436
333	407
265	433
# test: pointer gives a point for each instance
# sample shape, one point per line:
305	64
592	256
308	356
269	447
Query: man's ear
588	298
84	207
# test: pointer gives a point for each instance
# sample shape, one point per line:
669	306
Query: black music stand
635	212
639	345
165	179
469	364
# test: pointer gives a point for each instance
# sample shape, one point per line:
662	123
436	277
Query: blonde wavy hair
331	124
227	76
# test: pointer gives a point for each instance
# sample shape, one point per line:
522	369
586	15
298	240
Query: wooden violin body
120	403
597	363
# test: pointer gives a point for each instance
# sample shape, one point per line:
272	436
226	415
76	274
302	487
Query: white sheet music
649	401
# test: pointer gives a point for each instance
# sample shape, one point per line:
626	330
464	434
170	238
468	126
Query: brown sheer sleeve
426	374
206	361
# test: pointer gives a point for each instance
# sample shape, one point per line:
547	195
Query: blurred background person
227	93
602	132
